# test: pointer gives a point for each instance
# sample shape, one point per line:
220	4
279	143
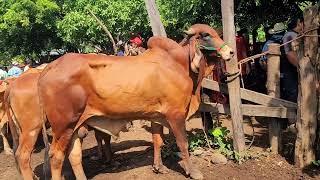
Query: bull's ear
195	65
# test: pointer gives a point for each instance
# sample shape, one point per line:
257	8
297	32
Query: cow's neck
197	79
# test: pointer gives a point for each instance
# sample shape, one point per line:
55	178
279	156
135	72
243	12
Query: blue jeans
289	87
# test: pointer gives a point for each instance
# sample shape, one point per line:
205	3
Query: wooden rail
251	110
249	95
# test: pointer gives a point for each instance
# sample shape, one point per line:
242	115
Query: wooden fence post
273	86
227	7
307	101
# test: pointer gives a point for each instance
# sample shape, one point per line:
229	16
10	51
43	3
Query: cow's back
115	87
24	100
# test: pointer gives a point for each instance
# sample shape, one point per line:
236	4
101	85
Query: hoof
34	177
160	169
8	152
196	174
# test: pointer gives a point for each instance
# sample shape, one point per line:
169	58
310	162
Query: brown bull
156	86
22	105
22	109
3	116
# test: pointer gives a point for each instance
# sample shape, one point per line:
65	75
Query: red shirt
137	40
241	51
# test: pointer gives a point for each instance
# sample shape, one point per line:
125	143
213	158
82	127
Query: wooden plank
276	112
273	86
215	108
249	95
227	8
251	110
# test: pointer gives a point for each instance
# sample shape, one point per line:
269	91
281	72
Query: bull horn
190	32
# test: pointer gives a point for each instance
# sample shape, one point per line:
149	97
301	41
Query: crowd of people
14	71
133	47
255	73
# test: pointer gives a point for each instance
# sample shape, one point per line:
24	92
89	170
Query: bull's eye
204	34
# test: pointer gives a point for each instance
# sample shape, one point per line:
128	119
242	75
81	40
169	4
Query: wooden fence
271	105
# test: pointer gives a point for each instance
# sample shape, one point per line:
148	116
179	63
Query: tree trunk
115	49
307	113
227	7
155	21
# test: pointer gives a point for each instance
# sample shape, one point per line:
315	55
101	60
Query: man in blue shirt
277	33
14	71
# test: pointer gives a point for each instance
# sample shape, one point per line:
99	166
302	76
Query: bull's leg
177	123
57	154
157	133
75	157
107	145
27	141
6	146
104	152
99	142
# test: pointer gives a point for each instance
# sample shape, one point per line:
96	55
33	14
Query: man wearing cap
14	71
277	33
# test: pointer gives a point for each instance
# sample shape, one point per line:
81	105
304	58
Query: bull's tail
14	128
46	163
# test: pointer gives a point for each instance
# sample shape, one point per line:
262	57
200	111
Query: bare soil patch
133	159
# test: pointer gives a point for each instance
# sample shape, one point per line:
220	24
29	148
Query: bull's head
203	38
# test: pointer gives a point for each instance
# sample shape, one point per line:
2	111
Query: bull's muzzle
227	53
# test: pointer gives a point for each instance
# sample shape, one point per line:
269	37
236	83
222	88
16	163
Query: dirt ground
133	159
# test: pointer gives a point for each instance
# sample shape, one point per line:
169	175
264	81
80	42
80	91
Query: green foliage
198	140
268	12
79	29
222	141
32	27
316	162
28	27
219	139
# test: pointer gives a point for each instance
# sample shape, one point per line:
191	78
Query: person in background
289	63
276	34
120	46
135	45
14	71
136	40
27	66
242	50
3	74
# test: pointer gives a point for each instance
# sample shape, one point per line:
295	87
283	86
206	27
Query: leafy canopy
31	28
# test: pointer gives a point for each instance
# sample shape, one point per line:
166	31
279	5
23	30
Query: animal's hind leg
157	133
27	141
104	152
177	123
107	145
6	146
99	142
57	153
75	157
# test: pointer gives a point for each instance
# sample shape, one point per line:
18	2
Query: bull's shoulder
162	43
